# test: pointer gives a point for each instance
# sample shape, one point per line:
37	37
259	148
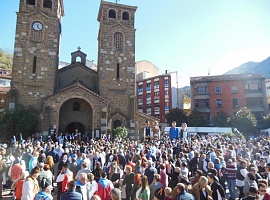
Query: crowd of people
176	166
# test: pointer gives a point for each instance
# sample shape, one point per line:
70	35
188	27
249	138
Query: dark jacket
249	198
55	156
71	195
150	172
216	186
128	181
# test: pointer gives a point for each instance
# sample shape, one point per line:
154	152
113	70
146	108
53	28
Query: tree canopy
5	59
176	114
221	119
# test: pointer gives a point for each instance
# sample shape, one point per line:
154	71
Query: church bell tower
116	63
36	52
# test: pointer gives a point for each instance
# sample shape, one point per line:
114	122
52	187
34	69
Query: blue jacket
150	172
71	195
185	196
174	133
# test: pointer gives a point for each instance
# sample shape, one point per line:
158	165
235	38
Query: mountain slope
262	68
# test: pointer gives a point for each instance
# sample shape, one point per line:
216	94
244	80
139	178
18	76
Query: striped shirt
230	171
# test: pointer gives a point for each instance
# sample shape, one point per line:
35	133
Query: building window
118	41
157	105
148	86
4	72
235	102
166	83
31	2
157	116
156	94
148	105
47	3
218	90
166	92
112	13
253	87
76	106
140	89
140	106
202	90
219	102
34	65
148	95
118	71
234	89
125	16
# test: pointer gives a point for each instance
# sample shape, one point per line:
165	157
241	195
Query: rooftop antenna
208	72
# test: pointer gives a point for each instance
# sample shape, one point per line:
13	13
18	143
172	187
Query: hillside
262	68
5	59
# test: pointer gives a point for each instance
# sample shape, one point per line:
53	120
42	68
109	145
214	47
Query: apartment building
228	93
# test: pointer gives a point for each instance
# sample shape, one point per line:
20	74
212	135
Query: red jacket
266	196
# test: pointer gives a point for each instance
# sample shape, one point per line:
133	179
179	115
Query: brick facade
228	93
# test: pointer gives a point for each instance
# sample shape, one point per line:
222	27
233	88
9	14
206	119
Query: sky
192	37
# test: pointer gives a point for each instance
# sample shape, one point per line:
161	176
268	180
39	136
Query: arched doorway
116	123
72	127
75	113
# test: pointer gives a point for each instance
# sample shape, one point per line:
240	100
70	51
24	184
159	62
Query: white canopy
209	130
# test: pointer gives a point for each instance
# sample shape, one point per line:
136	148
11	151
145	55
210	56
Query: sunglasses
262	190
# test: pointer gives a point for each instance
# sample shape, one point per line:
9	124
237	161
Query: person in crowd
250	181
82	186
230	173
17	185
240	177
93	186
30	186
97	171
155	185
115	194
197	176
45	192
47	174
201	190
63	179
128	181
218	192
182	193
263	194
144	191
84	169
252	194
71	193
174	131
136	185
104	187
163	176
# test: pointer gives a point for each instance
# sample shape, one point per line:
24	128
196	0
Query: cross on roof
79	48
116	1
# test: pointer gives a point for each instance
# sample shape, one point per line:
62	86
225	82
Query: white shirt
240	183
27	190
93	187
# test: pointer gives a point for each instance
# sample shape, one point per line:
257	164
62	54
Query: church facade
76	97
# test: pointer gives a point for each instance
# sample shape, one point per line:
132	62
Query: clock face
37	26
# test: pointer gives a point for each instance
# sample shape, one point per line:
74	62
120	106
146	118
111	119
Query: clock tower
36	52
116	63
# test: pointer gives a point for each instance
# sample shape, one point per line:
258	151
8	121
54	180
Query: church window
78	59
76	106
34	65
118	71
47	3
31	2
112	13
118	41
125	16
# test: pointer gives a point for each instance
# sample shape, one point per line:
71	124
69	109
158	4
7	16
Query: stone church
76	97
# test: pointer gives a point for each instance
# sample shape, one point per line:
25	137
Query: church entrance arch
116	123
75	126
75	114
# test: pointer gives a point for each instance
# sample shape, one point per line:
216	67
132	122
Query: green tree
120	132
19	120
196	119
5	59
221	119
266	121
176	114
244	121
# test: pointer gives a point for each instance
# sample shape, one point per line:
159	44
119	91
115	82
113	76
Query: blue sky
190	37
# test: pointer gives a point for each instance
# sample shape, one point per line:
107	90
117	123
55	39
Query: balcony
201	96
166	85
253	94
149	110
255	108
156	86
167	107
148	88
140	110
203	109
148	99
